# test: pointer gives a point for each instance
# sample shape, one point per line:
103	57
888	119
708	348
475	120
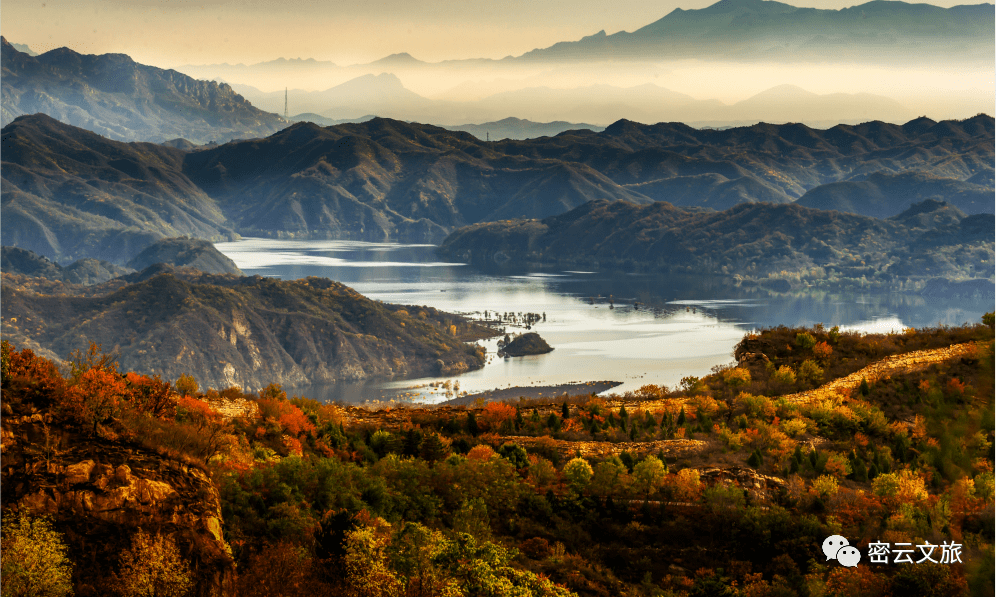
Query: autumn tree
33	558
649	475
153	567
578	473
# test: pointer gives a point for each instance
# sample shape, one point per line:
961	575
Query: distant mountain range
768	31
518	128
750	241
68	193
120	99
736	30
386	96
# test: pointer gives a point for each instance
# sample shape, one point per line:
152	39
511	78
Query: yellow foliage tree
33	559
153	567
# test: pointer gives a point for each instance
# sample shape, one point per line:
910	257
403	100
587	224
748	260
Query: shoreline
531	392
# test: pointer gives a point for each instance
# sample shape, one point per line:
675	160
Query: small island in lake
526	344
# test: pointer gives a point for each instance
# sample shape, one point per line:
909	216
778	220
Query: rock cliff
99	490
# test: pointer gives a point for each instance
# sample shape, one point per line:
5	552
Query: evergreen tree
860	473
863	388
472	427
681	417
755	460
622	412
432	448
565	411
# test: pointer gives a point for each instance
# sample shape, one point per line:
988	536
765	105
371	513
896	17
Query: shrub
687	486
33	558
824	486
153	568
810	373
578	473
783	375
805	340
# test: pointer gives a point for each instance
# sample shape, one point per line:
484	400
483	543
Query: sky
170	33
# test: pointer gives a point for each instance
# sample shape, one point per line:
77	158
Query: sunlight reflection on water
653	329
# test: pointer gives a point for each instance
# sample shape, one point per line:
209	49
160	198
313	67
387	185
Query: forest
724	485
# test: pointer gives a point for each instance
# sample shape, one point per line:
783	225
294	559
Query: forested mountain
68	193
884	195
228	330
752	241
116	97
384	179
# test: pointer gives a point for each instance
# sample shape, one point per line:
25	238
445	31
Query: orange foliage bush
822	351
292	419
480	452
151	395
496	413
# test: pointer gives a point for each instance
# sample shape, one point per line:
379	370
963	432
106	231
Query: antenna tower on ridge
286	117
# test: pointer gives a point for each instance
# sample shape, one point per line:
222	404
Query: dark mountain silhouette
763	30
246	331
518	128
185	252
69	193
748	240
385	179
116	97
883	195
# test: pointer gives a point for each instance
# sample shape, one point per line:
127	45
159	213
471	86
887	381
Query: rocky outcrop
526	344
99	491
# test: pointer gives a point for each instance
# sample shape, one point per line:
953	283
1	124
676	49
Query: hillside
752	241
883	195
185	252
69	193
84	271
385	180
880	438
116	97
229	330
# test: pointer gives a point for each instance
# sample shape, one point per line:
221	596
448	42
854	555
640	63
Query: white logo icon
848	556
832	544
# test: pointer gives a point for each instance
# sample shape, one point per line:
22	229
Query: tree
432	448
565	411
515	454
649	475
578	473
472	427
33	559
153	568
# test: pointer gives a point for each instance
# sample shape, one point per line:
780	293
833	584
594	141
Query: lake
629	328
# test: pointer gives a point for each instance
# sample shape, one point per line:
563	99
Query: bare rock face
98	492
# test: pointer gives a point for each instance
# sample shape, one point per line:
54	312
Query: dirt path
898	363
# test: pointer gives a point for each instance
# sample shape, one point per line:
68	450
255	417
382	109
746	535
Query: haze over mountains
386	96
69	194
922	60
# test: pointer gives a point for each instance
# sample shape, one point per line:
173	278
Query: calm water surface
682	325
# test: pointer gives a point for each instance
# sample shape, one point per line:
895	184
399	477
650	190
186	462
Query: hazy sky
173	32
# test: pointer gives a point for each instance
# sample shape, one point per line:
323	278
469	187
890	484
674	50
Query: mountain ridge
115	96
